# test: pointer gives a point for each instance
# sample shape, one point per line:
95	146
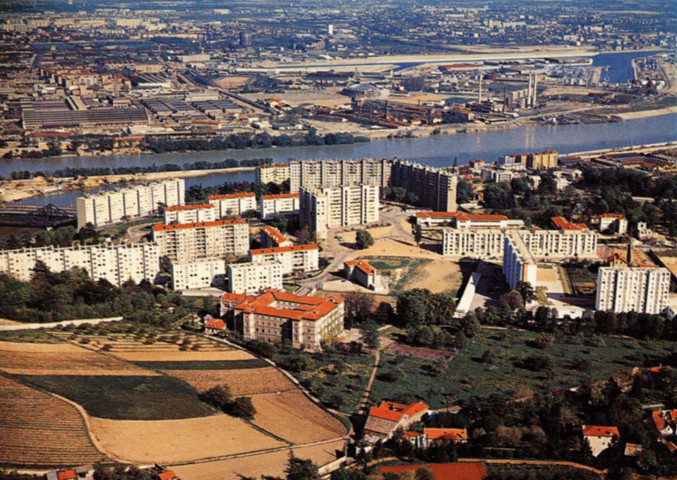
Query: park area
500	361
138	389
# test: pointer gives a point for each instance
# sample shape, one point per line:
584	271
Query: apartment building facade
253	277
542	161
276	316
233	204
115	206
190	241
115	263
333	207
633	289
273	173
482	243
338	173
519	265
200	273
272	206
190	213
436	188
298	258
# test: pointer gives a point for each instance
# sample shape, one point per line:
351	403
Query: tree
364	239
527	291
242	407
424	473
512	300
298	469
470	325
359	307
219	396
370	335
418	234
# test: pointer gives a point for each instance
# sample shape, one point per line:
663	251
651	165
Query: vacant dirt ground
438	276
167	441
293	417
38	347
395	248
183	356
241	382
256	465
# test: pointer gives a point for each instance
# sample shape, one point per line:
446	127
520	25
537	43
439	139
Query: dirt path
37	326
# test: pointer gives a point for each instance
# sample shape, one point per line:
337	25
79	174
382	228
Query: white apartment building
190	241
201	273
612	221
633	289
233	204
190	213
272	173
253	277
272	206
115	206
518	263
482	243
338	173
326	208
299	258
115	263
558	244
466	220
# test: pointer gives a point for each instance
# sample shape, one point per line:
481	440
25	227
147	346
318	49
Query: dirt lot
437	276
241	382
179	440
254	466
397	248
186	356
293	417
38	429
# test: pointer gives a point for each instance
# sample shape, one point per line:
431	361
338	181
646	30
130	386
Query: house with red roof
271	237
444	471
665	421
599	437
214	326
83	472
387	417
436	436
360	271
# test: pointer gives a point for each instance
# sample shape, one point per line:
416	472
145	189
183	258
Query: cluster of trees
420	306
244	140
401	195
68	295
199	193
130	170
221	397
363	239
59	237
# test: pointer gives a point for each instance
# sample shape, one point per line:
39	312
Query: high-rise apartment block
115	206
633	289
190	241
298	258
272	173
519	265
435	187
233	204
542	161
190	213
115	263
272	206
253	277
324	208
200	273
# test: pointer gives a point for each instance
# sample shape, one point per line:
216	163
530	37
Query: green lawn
204	364
468	376
125	397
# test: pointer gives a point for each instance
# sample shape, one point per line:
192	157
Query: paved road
37	326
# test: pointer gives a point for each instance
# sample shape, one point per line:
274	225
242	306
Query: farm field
40	430
293	417
272	463
241	382
180	440
468	376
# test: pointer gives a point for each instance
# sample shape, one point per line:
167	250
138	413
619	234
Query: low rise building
633	289
199	273
297	258
360	271
612	222
436	436
115	263
187	242
190	213
599	437
271	237
233	204
277	316
273	206
253	277
333	207
272	173
385	418
465	220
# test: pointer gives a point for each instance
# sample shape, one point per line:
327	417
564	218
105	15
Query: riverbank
16	190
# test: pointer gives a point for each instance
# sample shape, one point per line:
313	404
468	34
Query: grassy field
125	397
467	375
28	336
204	364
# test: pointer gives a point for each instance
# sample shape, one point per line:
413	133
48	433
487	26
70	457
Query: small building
613	222
665	421
361	272
445	435
599	437
214	326
387	417
271	237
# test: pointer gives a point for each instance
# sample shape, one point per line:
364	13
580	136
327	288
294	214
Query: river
436	150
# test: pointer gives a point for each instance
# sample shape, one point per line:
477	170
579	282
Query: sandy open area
169	441
172	356
4	321
377	232
265	464
397	248
293	417
241	382
438	276
39	347
647	113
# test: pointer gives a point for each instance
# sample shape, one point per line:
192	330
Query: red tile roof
461	216
66	475
411	434
362	265
661	417
215	323
218	223
453	434
275	234
612	215
600	431
231	195
564	224
395	411
303	308
271	165
176	208
444	471
293	248
280	196
167	475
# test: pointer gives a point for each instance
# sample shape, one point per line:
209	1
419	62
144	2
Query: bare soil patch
178	356
438	276
167	441
241	382
397	248
293	417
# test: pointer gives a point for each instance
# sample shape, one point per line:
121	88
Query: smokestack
505	98
529	93
479	92
535	89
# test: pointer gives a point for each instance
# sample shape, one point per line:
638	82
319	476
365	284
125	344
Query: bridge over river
35	216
